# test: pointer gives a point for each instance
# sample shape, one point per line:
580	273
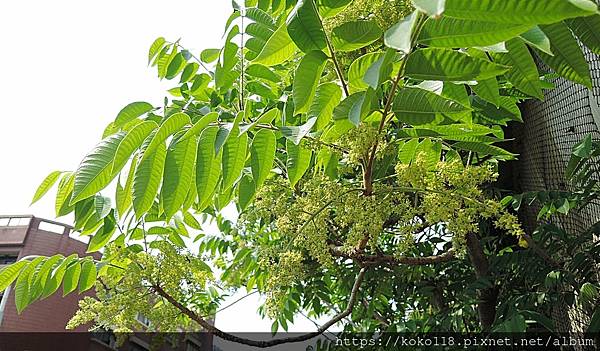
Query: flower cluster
125	289
286	270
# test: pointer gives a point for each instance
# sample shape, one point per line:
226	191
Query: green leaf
209	55
507	110
262	155
131	112
147	178
260	71
234	159
523	74
538	39
450	65
9	273
304	27
71	278
306	79
55	277
189	72
327	97
407	152
359	68
488	90
155	48
46	184
568	60
418	106
95	171
355	107
330	8
65	190
298	161
200	125
259	16
103	235
278	49
296	133
246	191
400	35
124	197
380	70
179	170
484	149
208	165
102	205
519	11
433	8
173	124
87	278
449	32
175	66
23	285
594	326
354	35
587	30
131	142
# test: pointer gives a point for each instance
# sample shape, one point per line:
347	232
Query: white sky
68	67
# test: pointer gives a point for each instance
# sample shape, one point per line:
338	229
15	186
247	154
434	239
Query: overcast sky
68	67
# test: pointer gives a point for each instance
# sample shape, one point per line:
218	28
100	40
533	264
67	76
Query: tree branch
267	343
373	260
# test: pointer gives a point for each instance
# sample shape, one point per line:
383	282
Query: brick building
22	236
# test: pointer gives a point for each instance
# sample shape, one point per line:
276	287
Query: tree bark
488	297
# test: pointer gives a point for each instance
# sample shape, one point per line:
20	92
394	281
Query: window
142	319
7	259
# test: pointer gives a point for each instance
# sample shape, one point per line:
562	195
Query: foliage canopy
357	143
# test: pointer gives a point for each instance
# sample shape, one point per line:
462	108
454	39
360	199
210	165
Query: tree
359	143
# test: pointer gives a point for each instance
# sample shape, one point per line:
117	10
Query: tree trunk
488	297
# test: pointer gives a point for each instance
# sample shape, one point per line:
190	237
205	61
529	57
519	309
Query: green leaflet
278	49
523	74
234	158
418	106
209	55
355	107
359	68
327	97
180	164
208	165
131	112
63	195
351	36
23	291
46	184
260	71
131	142
519	11
71	278
103	235
87	277
400	35
171	125
488	90
450	65
9	273
568	60
537	39
587	30
304	27
296	133
262	155
146	181
298	161
330	8
246	191
448	32
155	48
306	78
124	196
95	171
